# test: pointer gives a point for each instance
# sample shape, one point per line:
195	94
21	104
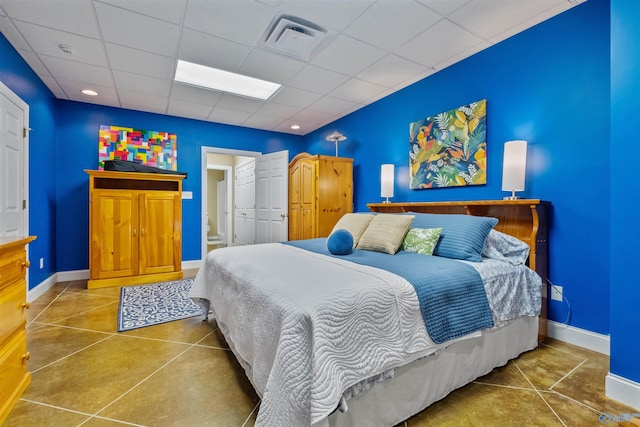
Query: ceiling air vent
294	37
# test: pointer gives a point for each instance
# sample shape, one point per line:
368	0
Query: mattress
308	328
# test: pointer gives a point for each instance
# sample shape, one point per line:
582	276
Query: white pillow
354	223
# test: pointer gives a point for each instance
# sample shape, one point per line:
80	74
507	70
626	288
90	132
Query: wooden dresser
135	228
14	377
320	193
525	219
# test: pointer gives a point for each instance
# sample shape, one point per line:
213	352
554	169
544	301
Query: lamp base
386	201
510	198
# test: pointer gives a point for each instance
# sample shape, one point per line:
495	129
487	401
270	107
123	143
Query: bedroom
562	94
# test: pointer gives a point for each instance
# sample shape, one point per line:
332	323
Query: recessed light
295	127
89	92
224	81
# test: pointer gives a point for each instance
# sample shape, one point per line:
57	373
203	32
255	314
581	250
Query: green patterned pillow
421	240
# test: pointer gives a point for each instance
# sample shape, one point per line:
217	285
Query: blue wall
18	77
548	85
625	190
77	132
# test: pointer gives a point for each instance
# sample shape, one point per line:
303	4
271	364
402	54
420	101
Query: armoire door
157	234
114	234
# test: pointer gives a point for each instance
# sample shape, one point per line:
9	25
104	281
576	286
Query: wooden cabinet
320	192
135	228
14	377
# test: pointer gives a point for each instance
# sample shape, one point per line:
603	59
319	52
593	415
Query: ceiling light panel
224	81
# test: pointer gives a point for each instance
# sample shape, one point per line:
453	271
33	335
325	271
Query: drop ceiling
127	51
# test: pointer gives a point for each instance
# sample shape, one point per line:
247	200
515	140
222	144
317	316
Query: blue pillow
340	242
462	236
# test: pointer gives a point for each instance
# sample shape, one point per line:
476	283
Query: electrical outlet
41	263
556	293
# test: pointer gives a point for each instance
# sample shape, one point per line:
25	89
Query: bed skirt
425	381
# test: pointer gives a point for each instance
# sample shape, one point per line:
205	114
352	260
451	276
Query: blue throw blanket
452	298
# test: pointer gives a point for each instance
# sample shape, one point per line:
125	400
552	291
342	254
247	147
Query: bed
349	339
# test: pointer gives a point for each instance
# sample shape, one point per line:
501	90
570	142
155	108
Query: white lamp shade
386	180
514	165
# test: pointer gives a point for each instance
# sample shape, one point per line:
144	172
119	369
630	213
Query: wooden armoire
135	228
320	192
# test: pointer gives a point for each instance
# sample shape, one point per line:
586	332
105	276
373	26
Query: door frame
228	176
6	91
204	150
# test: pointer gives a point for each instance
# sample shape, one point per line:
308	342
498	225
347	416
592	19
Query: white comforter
307	326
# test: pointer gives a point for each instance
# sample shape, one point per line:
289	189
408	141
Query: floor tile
202	387
50	343
190	330
33	414
89	380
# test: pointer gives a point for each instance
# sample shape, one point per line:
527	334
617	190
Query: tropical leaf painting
450	148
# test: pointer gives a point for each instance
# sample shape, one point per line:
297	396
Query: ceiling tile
331	105
11	33
530	22
490	17
73	89
440	42
73	16
277	110
224	115
72	70
444	7
34	62
220	53
318	80
348	56
239	103
333	15
139	62
53	86
357	90
270	66
195	94
167	10
294	97
142	84
462	55
261	122
138	31
241	21
188	109
47	41
403	20
142	101
390	71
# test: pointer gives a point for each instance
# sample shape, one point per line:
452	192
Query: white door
245	203
14	114
272	197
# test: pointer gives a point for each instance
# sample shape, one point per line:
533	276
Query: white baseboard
67	276
623	390
42	287
580	337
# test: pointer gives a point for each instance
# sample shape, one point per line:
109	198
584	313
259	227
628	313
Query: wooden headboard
525	219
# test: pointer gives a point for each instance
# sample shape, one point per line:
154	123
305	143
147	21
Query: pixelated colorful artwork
147	147
450	148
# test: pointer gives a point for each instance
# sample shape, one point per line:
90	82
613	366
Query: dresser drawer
13	309
13	265
13	366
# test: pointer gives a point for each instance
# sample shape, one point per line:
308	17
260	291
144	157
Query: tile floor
181	373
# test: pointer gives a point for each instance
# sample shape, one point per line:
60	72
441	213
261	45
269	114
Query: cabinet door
295	213
160	226
308	199
114	229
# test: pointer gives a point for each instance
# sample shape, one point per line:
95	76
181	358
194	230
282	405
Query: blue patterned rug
147	305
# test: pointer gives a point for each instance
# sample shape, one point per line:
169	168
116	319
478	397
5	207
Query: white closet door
245	204
272	195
